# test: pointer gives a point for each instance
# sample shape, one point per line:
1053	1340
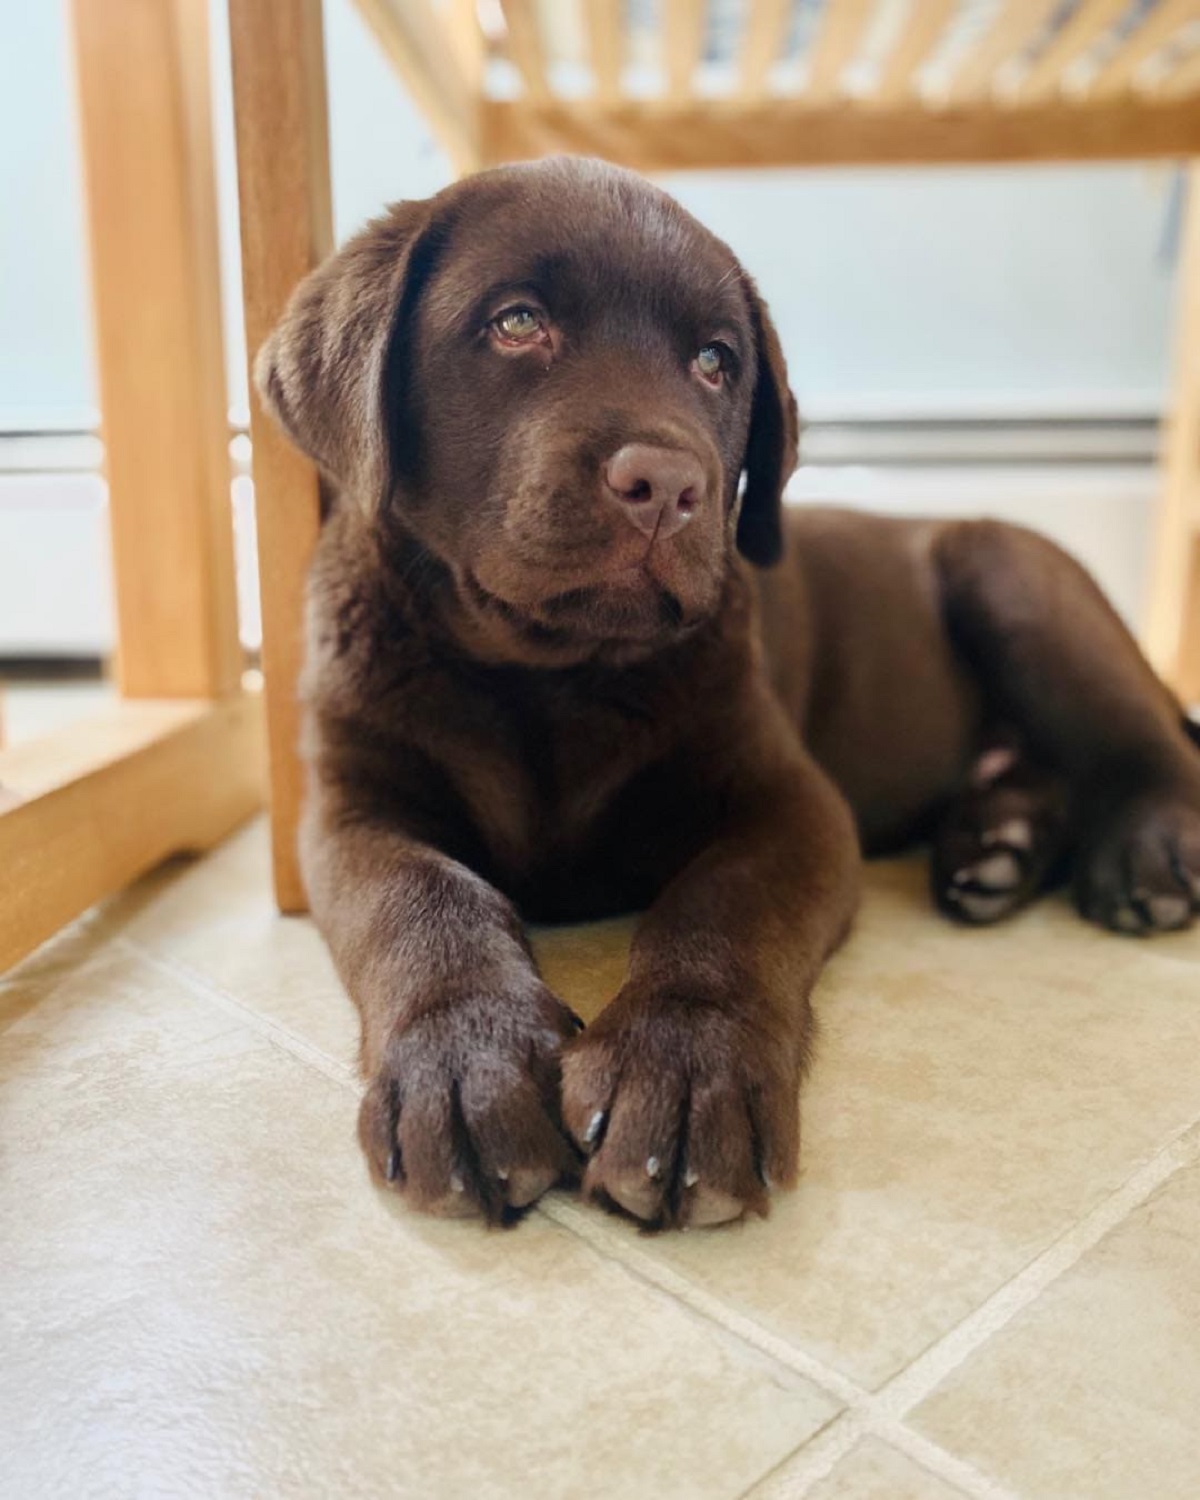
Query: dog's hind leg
1054	660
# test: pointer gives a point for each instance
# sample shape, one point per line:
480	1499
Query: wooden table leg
283	183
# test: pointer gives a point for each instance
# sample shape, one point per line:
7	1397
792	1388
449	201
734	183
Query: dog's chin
615	621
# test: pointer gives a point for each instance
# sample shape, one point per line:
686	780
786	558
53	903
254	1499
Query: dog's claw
653	1166
595	1124
394	1164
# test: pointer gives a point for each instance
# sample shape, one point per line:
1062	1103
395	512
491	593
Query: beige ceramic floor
987	1284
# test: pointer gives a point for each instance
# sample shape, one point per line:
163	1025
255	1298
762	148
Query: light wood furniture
178	762
872	81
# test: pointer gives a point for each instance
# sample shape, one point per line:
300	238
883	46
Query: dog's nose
659	488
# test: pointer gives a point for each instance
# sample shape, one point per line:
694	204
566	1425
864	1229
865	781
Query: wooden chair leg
1173	627
152	223
283	182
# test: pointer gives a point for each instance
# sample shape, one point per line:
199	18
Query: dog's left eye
519	325
710	363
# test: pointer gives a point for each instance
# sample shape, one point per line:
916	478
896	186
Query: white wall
46	376
956	291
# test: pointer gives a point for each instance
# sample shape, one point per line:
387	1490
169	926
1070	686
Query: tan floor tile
870	1471
1095	1388
217	917
975	1093
28	982
200	1294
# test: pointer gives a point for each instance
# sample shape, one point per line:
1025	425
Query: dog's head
552	379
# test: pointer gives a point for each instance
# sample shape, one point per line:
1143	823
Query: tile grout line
957	1471
272	1031
822	1453
586	1226
815	1460
925	1373
860	1416
881	1413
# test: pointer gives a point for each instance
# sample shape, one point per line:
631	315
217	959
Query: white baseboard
55	589
1100	513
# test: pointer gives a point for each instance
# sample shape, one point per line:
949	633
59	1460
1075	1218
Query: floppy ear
323	372
773	444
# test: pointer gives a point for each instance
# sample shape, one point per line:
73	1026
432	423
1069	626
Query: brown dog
543	682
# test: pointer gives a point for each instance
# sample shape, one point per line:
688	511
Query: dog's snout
659	488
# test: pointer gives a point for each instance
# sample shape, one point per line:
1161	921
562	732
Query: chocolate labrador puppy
568	656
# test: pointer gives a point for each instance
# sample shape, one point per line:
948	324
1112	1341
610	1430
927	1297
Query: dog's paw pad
995	873
990	886
1013	833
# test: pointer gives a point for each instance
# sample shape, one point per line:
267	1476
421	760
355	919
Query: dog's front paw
462	1114
1140	872
687	1110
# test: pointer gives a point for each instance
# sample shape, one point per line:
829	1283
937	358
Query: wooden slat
93	807
683	31
839	35
766	30
1183	80
525	47
926	22
606	40
425	54
467	40
1172	636
1163	23
1016	23
1087	25
779	133
287	229
147	150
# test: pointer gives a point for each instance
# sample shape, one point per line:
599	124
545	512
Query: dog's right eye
519	325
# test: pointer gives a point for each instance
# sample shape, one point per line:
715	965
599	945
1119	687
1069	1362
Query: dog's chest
538	769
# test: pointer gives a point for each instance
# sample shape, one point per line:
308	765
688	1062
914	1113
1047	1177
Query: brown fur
521	705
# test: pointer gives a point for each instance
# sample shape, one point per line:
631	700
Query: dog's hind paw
1140	872
998	846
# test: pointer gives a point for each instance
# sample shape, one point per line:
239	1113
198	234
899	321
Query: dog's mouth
634	609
